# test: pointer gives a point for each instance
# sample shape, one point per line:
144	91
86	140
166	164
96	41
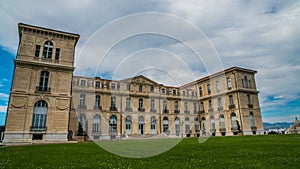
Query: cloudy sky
180	41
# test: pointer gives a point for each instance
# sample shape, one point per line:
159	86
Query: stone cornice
43	64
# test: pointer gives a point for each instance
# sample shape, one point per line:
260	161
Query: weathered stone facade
224	103
55	62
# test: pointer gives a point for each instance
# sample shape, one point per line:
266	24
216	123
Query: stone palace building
47	103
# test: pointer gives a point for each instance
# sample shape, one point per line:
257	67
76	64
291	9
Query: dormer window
151	89
82	83
113	86
47	51
163	91
98	84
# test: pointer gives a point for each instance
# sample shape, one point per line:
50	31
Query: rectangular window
208	89
151	89
231	102
57	51
220	102
37	50
128	86
200	91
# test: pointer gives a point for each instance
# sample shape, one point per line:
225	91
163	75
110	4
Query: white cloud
3	109
4	96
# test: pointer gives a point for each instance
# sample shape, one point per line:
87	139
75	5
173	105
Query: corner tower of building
40	95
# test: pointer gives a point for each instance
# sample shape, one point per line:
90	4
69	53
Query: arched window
174	92
212	125
96	124
82	101
203	125
39	115
97	101
141	125
113	103
187	125
82	123
197	127
113	125
177	126
128	123
48	49
165	124
251	120
183	93
140	88
153	125
44	78
222	123
233	121
141	107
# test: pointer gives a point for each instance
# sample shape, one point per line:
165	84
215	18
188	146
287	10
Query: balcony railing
97	107
38	128
212	130
210	110
196	112
142	109
81	106
202	111
42	89
153	110
129	109
177	111
222	129
186	111
113	109
232	106
166	110
254	128
234	129
250	105
220	108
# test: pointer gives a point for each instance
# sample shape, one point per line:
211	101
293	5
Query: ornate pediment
140	79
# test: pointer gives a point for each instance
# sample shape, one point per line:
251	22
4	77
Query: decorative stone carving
19	102
62	104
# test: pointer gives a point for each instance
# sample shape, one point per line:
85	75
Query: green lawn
273	151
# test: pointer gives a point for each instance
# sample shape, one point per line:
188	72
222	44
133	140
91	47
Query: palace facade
47	103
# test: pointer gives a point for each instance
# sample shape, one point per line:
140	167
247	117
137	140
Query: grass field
273	151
